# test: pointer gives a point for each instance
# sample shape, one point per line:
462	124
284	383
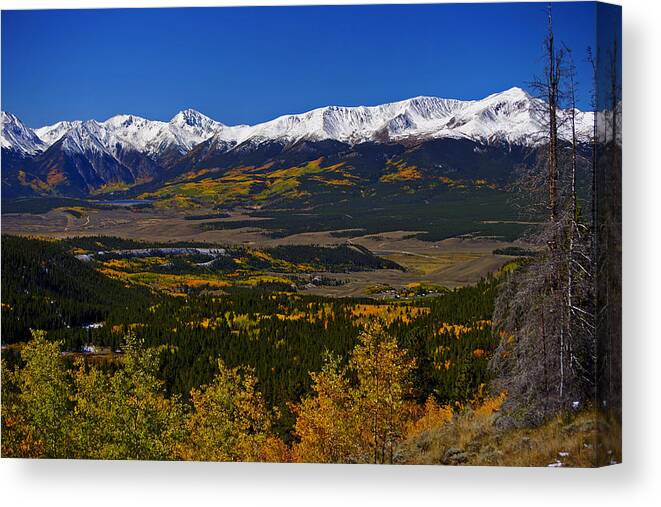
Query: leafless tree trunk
553	82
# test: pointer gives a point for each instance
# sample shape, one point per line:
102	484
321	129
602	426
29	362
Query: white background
636	482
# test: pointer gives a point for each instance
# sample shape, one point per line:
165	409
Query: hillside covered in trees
282	336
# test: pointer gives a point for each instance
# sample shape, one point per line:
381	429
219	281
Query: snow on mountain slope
354	124
85	137
18	137
511	116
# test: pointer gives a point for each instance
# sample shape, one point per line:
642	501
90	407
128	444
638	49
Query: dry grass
474	436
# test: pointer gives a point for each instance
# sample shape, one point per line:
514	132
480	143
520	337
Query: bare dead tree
579	260
552	87
548	89
545	359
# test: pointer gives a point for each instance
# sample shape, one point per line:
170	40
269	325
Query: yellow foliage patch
457	330
115	187
236	184
433	415
388	313
401	172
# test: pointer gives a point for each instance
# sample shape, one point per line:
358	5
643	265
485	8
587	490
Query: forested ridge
45	287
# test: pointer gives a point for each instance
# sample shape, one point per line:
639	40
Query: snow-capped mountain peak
193	118
126	121
19	137
191	127
514	93
85	137
52	133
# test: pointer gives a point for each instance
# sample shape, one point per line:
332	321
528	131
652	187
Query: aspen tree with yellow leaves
230	420
327	425
383	371
363	421
35	403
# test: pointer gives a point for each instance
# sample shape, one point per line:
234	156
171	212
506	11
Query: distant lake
124	202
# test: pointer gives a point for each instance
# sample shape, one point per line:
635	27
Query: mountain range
89	157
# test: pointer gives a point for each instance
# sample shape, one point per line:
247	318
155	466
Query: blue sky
246	65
